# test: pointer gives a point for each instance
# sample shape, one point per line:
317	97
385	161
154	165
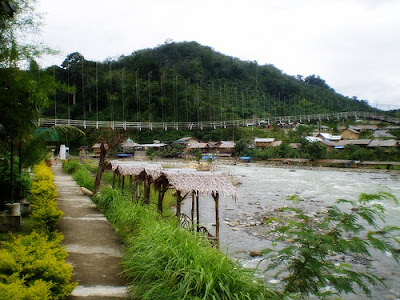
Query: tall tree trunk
12	173
100	170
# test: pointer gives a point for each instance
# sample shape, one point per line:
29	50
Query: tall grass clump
79	173
167	262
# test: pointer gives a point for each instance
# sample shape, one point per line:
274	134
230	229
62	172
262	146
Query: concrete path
94	248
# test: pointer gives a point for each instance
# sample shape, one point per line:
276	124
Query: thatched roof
183	180
205	183
136	168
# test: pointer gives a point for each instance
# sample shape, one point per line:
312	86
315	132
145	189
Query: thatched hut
185	182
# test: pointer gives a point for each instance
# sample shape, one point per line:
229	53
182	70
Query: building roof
197	145
361	142
264	140
183	180
226	144
383	143
313	139
383	133
351	130
184	140
129	144
330	137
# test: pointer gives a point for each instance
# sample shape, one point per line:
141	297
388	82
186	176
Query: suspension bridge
257	122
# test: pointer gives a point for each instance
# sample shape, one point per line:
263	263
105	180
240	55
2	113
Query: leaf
295	199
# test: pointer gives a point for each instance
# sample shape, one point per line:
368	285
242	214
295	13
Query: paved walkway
94	249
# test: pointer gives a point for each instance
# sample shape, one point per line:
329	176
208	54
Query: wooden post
137	187
119	180
130	187
123	182
216	199
113	185
197	212
178	206
192	211
147	185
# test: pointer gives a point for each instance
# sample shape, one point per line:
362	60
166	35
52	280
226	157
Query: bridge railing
214	124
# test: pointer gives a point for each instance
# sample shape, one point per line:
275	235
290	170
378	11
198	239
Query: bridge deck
214	124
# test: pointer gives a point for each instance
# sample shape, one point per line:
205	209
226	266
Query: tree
18	20
354	231
314	150
109	139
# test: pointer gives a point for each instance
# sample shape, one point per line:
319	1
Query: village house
96	148
350	134
187	141
383	134
261	143
226	148
129	146
384	144
191	148
329	137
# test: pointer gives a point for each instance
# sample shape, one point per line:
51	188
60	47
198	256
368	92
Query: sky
354	45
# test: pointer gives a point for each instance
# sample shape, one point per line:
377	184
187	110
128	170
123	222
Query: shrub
18	290
43	199
308	269
47	216
34	267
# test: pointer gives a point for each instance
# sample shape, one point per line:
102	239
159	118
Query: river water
263	189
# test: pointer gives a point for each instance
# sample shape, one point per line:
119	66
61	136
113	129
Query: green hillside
187	82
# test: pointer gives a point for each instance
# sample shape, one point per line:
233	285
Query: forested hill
186	82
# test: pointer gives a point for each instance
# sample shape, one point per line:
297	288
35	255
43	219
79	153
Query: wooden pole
192	211
137	187
216	199
197	212
123	182
178	206
119	180
146	189
130	187
113	185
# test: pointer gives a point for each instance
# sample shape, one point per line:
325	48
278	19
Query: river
263	189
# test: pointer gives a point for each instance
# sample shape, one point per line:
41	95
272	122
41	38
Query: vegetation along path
94	249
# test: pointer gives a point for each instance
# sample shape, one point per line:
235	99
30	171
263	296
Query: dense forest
185	82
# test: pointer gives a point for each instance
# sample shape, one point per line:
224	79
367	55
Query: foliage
14	29
43	199
353	231
314	150
171	151
165	262
21	180
34	267
198	154
188	82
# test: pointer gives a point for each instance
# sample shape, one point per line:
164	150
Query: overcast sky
354	45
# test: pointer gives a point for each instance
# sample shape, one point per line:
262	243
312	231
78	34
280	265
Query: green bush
308	268
47	216
18	290
43	199
34	267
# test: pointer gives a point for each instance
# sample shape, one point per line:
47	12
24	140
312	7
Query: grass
164	261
